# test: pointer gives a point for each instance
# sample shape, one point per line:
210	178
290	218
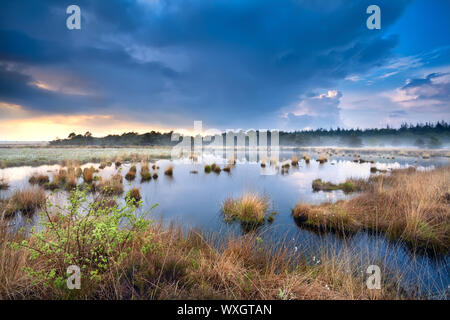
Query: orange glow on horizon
47	128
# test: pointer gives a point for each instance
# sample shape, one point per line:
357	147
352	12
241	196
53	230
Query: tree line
421	135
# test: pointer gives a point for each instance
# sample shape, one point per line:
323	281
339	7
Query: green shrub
94	239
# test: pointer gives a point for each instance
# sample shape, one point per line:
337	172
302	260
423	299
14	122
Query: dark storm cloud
226	62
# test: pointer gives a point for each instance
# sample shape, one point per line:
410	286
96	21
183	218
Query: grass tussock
131	174
322	159
135	195
249	208
88	175
26	201
215	168
294	161
78	172
71	179
104	203
350	185
169	171
39	179
306	158
407	204
111	186
3	184
374	169
208	168
145	173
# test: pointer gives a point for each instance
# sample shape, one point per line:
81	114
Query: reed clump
374	169
118	162
135	195
111	186
407	204
88	174
322	159
306	158
27	201
3	184
215	168
350	185
104	203
250	208
71	179
131	174
145	173
169	171
39	179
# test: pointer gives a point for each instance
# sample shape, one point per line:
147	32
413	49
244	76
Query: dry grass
184	266
71	179
145	172
407	204
118	162
3	184
216	168
135	195
88	174
294	161
350	185
374	169
39	179
60	177
104	202
111	186
250	208
306	158
78	172
169	171
131	174
27	201
322	159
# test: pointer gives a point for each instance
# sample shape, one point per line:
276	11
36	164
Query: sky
142	65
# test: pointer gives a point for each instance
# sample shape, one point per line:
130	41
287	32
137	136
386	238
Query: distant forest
428	135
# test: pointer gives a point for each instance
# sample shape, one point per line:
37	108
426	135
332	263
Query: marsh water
192	198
